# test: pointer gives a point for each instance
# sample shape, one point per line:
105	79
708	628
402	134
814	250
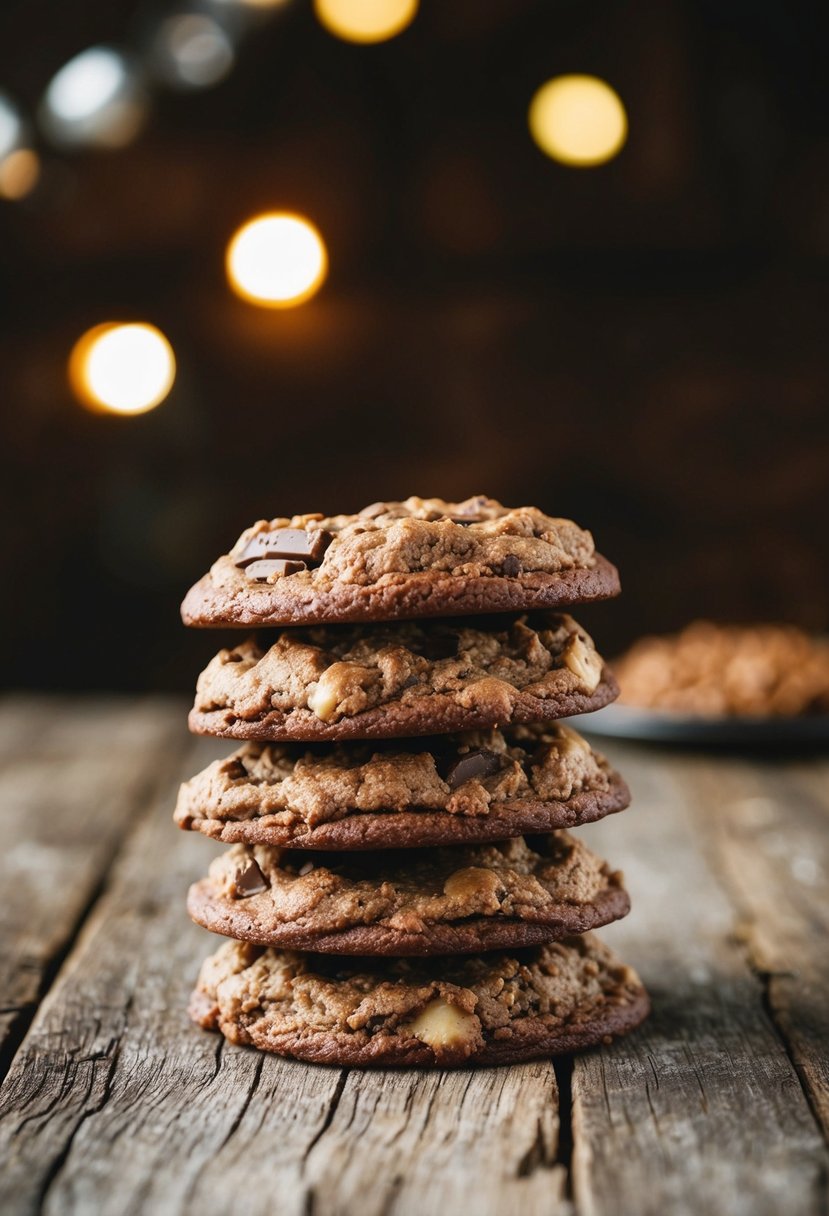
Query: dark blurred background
641	346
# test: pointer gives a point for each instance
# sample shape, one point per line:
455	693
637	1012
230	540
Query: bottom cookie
439	1012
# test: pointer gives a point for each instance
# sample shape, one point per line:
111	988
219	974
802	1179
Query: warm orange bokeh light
19	173
365	20
122	368
578	120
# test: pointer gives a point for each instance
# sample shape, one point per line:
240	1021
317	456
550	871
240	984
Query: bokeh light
365	20
122	369
95	99
19	173
19	164
578	120
11	127
192	51
276	260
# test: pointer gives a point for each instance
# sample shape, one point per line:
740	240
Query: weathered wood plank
114	1101
116	1104
768	837
701	1111
71	776
485	1140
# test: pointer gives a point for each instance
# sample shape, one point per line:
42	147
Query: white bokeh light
96	99
277	260
11	127
192	51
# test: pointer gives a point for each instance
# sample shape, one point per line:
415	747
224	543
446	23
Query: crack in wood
766	980
329	1115
48	974
240	1114
56	1166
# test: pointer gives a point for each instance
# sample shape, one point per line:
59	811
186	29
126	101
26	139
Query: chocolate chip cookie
419	901
456	789
401	678
394	560
445	1011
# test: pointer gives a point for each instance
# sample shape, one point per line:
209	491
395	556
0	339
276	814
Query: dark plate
661	726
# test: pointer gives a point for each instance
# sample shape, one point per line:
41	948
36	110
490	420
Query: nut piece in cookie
445	1027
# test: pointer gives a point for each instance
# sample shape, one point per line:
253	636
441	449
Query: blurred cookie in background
730	670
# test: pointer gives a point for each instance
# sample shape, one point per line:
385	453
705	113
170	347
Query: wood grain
115	1103
770	842
71	777
703	1110
113	1084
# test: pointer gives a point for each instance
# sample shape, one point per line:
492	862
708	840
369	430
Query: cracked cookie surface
396	560
401	678
418	901
439	1012
476	786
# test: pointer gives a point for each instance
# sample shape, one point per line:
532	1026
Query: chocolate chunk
510	566
480	763
235	770
250	881
466	520
286	543
373	511
260	571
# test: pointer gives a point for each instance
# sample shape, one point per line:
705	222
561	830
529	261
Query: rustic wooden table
113	1103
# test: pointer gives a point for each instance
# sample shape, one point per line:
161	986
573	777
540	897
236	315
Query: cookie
420	901
742	671
456	789
401	678
394	560
439	1012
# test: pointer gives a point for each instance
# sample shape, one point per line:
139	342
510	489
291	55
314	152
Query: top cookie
397	560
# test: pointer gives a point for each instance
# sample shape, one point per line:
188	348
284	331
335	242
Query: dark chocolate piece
285	543
250	881
510	566
480	763
260	571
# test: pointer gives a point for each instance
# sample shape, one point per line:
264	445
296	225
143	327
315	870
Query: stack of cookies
400	887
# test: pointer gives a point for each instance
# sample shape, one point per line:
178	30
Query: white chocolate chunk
585	664
570	743
323	698
440	1024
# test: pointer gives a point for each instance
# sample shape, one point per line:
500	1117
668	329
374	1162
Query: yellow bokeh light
19	173
122	369
578	120
365	20
276	260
